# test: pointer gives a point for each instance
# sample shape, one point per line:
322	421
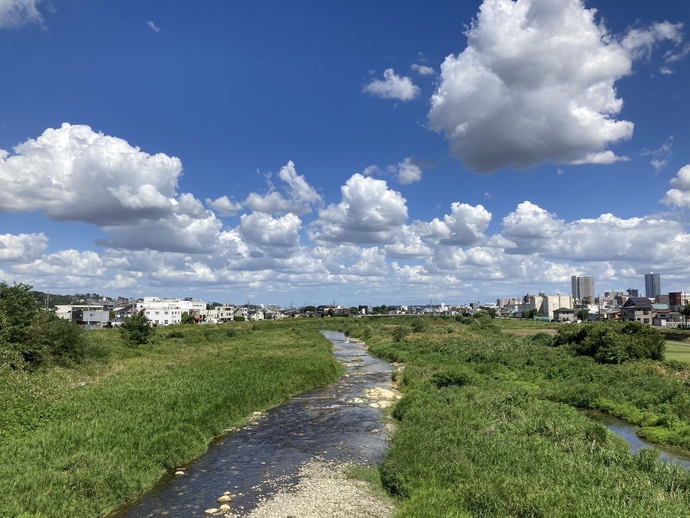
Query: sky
360	152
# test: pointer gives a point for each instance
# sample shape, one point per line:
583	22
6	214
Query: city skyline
360	152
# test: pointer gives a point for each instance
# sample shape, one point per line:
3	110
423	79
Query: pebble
179	472
225	507
213	510
224	499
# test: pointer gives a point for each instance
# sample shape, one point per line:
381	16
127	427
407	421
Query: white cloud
223	206
464	226
368	213
65	263
14	13
73	173
679	196
153	27
22	247
393	87
278	237
535	83
422	70
409	172
301	195
370	170
640	42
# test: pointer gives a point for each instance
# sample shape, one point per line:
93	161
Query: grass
80	442
489	426
678	351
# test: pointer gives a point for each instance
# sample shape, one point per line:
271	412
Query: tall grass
488	426
80	442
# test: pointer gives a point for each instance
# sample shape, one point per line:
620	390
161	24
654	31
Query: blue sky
362	152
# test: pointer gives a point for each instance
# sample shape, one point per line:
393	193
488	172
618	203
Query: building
165	312
632	292
637	309
652	285
582	288
564	315
677	299
551	303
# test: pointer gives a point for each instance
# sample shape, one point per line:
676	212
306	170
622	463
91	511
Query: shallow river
341	422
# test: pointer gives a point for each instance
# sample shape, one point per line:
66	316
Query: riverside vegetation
489	424
85	432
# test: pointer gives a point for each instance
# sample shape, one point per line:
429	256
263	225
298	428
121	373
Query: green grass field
79	442
678	351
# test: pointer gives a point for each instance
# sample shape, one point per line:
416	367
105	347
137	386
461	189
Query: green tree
583	314
330	312
137	329
354	310
530	314
187	318
685	310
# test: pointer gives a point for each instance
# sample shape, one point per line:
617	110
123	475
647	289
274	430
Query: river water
342	422
629	433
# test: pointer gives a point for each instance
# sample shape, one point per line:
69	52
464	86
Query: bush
60	340
451	378
612	342
137	329
400	332
419	325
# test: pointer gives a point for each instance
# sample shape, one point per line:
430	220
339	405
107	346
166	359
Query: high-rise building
632	292
652	285
583	288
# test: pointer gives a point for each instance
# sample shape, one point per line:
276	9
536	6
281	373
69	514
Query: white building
164	312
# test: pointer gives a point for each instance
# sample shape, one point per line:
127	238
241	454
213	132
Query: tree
187	318
583	314
685	310
330	312
354	310
137	329
530	314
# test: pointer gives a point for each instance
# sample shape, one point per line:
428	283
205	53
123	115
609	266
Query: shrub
451	378
400	332
137	329
56	338
419	325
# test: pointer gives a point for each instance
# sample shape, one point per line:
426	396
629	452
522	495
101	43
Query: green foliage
612	342
530	314
239	319
186	318
451	378
137	329
419	325
31	337
400	332
583	314
81	449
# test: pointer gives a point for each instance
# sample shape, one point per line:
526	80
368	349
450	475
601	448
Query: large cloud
464	226
74	173
279	237
368	213
22	247
536	83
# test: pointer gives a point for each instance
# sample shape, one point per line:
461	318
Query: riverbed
342	423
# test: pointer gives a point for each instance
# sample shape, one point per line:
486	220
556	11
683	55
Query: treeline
31	336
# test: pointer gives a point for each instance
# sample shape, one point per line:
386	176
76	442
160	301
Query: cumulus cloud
393	86
223	206
533	230
65	263
74	173
641	42
279	237
409	172
464	226
368	213
679	196
422	70
535	83
301	195
22	247
14	13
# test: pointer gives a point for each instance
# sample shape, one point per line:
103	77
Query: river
342	422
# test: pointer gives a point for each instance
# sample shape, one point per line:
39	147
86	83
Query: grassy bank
78	442
489	425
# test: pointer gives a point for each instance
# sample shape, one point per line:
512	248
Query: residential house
637	309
